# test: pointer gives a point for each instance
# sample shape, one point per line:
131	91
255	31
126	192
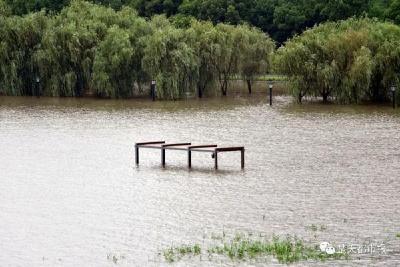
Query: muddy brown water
70	194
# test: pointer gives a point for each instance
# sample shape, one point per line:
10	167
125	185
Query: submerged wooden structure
189	148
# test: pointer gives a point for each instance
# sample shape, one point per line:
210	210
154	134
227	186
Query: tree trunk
140	87
300	98
249	86
200	91
325	97
225	87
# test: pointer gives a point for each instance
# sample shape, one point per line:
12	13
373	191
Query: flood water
71	195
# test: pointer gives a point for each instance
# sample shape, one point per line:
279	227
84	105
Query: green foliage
169	59
226	50
281	19
88	48
393	12
173	254
149	8
378	8
197	57
20	7
255	55
68	48
118	59
225	45
4	9
199	36
350	61
286	250
20	38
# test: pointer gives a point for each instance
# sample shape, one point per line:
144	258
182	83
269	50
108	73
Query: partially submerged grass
398	235
176	253
285	250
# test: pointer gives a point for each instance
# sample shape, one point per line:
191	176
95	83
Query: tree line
113	53
92	48
281	19
349	61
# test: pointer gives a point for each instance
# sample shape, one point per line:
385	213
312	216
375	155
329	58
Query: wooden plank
204	150
181	148
150	143
177	144
228	149
202	146
155	146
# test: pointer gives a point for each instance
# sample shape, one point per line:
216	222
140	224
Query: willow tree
112	64
198	37
20	38
68	48
385	45
348	60
118	60
255	55
169	59
226	44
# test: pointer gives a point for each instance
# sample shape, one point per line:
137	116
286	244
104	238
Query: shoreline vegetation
87	49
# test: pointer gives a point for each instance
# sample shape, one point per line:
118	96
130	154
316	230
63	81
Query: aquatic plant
172	254
244	247
285	250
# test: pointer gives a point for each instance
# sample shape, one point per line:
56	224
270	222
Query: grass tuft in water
286	250
173	254
398	235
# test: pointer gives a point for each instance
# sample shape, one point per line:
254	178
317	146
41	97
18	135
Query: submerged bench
189	148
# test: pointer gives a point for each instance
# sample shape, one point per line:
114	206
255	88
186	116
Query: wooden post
270	94
163	157
153	90
137	154
189	158
242	155
216	159
249	86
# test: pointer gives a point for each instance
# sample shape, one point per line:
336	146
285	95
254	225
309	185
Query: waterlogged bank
71	195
